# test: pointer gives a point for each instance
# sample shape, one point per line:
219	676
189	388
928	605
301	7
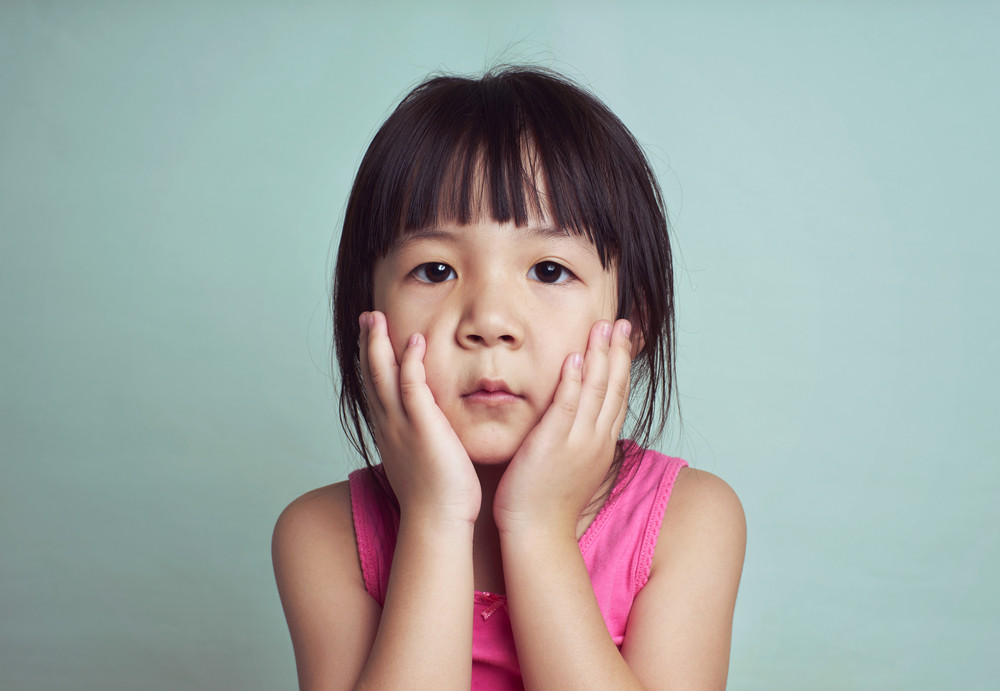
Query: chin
487	447
490	458
488	454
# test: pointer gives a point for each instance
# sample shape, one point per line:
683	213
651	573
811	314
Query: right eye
433	272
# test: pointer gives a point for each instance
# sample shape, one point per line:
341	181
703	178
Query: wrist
537	531
436	508
435	522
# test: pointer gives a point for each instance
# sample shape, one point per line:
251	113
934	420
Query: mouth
490	392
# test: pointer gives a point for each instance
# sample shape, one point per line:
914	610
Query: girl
502	305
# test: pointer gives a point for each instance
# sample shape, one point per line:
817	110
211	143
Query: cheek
398	336
403	323
553	350
576	332
439	359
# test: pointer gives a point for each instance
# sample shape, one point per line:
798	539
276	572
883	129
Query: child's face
500	307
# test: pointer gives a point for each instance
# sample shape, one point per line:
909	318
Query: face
501	308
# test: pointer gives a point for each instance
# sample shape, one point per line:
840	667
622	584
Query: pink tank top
617	549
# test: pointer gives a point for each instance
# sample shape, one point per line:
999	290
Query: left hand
563	461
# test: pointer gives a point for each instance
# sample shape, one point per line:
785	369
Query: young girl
502	306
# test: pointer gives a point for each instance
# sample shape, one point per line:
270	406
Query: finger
562	412
619	378
414	393
375	405
382	365
595	373
619	423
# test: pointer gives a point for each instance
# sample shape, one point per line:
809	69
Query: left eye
433	272
550	272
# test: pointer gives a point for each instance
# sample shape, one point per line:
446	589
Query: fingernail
363	319
606	329
627	329
413	340
576	360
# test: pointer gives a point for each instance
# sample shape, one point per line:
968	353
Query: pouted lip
487	387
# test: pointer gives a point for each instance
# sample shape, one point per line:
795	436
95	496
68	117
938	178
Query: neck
487	564
486	556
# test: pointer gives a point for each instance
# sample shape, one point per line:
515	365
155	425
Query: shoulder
313	544
688	506
703	534
702	505
319	517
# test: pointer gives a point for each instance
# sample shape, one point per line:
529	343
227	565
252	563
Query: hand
424	460
562	462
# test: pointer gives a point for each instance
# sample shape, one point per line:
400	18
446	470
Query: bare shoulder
319	516
313	532
331	617
703	509
681	622
702	540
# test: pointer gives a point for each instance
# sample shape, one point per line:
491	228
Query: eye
550	272
433	272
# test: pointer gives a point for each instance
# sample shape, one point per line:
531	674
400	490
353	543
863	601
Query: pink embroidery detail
492	601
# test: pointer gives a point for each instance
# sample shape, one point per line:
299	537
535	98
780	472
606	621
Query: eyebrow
434	233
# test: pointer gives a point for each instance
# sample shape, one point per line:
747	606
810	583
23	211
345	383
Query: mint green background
172	176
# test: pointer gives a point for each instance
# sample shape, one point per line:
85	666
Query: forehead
468	195
451	232
473	179
469	184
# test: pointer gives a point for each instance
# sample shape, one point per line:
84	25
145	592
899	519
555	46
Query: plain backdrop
172	179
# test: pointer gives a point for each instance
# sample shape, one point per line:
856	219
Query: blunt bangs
519	145
513	146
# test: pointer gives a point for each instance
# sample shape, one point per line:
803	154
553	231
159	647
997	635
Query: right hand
427	466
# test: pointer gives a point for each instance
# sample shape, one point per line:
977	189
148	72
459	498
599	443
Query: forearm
562	641
424	638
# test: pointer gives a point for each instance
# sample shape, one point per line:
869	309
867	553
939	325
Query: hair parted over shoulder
516	144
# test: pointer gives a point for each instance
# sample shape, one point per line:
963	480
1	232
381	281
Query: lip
491	392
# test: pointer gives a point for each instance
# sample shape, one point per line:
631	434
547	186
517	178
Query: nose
491	317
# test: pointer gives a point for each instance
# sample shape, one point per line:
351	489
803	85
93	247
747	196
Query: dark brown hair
515	143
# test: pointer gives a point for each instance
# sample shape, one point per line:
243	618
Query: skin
498	384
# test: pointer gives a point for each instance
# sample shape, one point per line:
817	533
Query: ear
637	338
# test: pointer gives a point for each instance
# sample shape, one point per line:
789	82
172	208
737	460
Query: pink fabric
617	549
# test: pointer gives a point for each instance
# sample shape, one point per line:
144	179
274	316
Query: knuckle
410	387
569	407
621	388
600	388
378	377
625	350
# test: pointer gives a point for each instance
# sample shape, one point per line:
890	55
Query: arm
562	641
679	628
423	637
681	622
424	640
331	618
342	638
680	625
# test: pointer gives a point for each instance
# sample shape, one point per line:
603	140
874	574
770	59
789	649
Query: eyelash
564	274
420	273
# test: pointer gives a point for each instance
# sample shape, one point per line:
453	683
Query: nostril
482	340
